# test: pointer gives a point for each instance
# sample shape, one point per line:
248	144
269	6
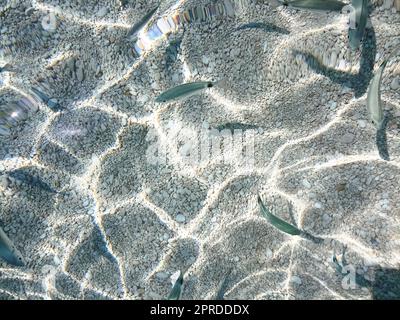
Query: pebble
362	123
395	84
162	275
326	220
333	105
347	138
341	186
49	22
306	184
79	74
317	205
180	218
102	12
4	183
296	280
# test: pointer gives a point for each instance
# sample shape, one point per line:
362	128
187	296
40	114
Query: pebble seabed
118	226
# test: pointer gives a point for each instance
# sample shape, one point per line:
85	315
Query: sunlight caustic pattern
216	226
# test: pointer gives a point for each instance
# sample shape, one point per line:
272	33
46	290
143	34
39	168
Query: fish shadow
232	126
308	236
171	52
386	285
31	180
381	137
264	26
357	82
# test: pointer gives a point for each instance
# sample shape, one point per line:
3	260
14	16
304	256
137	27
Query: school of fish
14	113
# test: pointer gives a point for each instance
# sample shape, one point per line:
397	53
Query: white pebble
49	22
306	184
318	205
180	218
102	12
296	280
395	84
362	123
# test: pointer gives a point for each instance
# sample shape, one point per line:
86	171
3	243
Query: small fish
177	288
223	286
319	5
360	16
50	102
139	25
8	252
185	90
267	27
276	222
374	103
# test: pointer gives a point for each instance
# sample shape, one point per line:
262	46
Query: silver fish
361	16
50	102
7	251
319	5
374	103
139	25
185	90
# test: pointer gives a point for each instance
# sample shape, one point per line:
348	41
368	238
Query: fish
8	253
223	286
50	102
267	27
319	5
134	30
374	103
185	90
177	288
360	16
277	222
7	68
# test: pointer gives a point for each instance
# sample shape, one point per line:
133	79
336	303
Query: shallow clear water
107	193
